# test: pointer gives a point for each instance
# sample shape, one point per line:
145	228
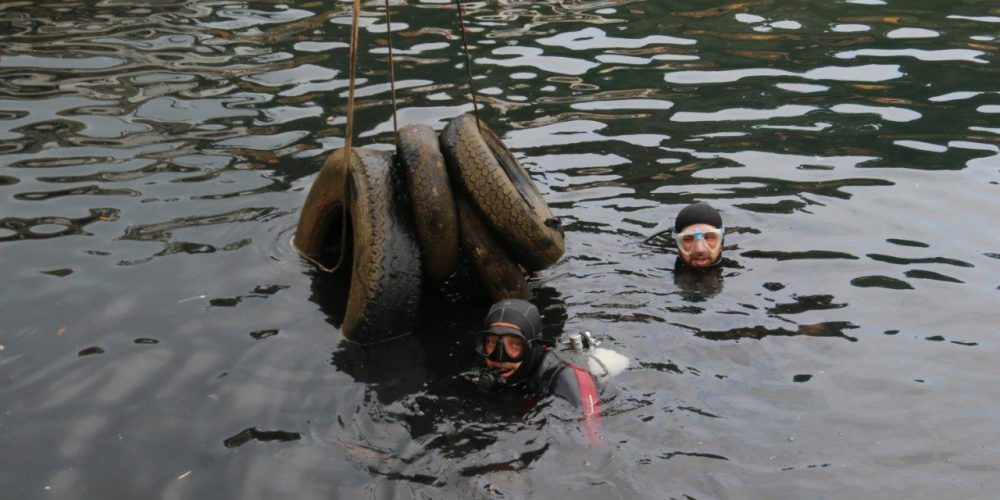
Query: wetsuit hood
516	317
697	213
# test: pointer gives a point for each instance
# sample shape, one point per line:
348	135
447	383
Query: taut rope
355	21
468	60
349	133
392	71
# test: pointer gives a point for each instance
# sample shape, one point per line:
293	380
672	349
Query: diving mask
501	347
687	241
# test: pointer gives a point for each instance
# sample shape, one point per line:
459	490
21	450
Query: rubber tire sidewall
434	218
498	274
323	209
502	191
385	284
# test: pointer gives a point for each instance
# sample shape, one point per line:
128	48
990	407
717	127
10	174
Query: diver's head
699	233
509	343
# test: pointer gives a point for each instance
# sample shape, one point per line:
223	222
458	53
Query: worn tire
385	275
497	273
319	234
434	218
503	192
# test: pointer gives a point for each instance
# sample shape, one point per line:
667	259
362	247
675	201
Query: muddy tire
503	192
498	275
434	218
320	232
385	275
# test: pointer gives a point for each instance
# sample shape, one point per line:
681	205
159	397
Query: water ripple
743	114
865	73
596	38
922	55
532	57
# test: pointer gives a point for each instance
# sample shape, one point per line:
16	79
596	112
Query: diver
515	355
700	234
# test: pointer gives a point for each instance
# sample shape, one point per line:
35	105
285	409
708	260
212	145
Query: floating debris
255	434
61	273
263	334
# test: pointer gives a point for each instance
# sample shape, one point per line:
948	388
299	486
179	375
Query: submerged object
497	273
434	214
605	363
503	192
393	223
355	205
601	362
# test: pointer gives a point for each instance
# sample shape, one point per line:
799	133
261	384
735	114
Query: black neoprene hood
697	213
517	312
516	317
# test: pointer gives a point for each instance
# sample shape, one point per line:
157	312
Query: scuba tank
602	363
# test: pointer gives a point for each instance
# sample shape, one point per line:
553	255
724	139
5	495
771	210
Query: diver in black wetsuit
514	354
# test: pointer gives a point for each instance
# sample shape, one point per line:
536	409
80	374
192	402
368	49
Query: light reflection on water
161	335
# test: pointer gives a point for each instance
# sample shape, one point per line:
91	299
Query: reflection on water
160	333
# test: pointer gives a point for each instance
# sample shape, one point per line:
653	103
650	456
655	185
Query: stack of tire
396	223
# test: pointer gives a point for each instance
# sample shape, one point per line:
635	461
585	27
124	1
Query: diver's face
700	245
512	348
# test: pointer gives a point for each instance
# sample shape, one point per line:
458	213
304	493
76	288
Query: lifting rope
349	132
353	63
392	71
468	60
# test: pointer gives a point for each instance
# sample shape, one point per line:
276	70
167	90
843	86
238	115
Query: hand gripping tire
434	216
497	273
385	274
503	192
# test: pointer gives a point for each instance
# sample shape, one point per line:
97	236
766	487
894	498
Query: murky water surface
161	338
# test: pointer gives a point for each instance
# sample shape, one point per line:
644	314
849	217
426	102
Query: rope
392	71
349	133
468	60
355	21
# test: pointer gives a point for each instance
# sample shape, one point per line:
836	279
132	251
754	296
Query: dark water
161	338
